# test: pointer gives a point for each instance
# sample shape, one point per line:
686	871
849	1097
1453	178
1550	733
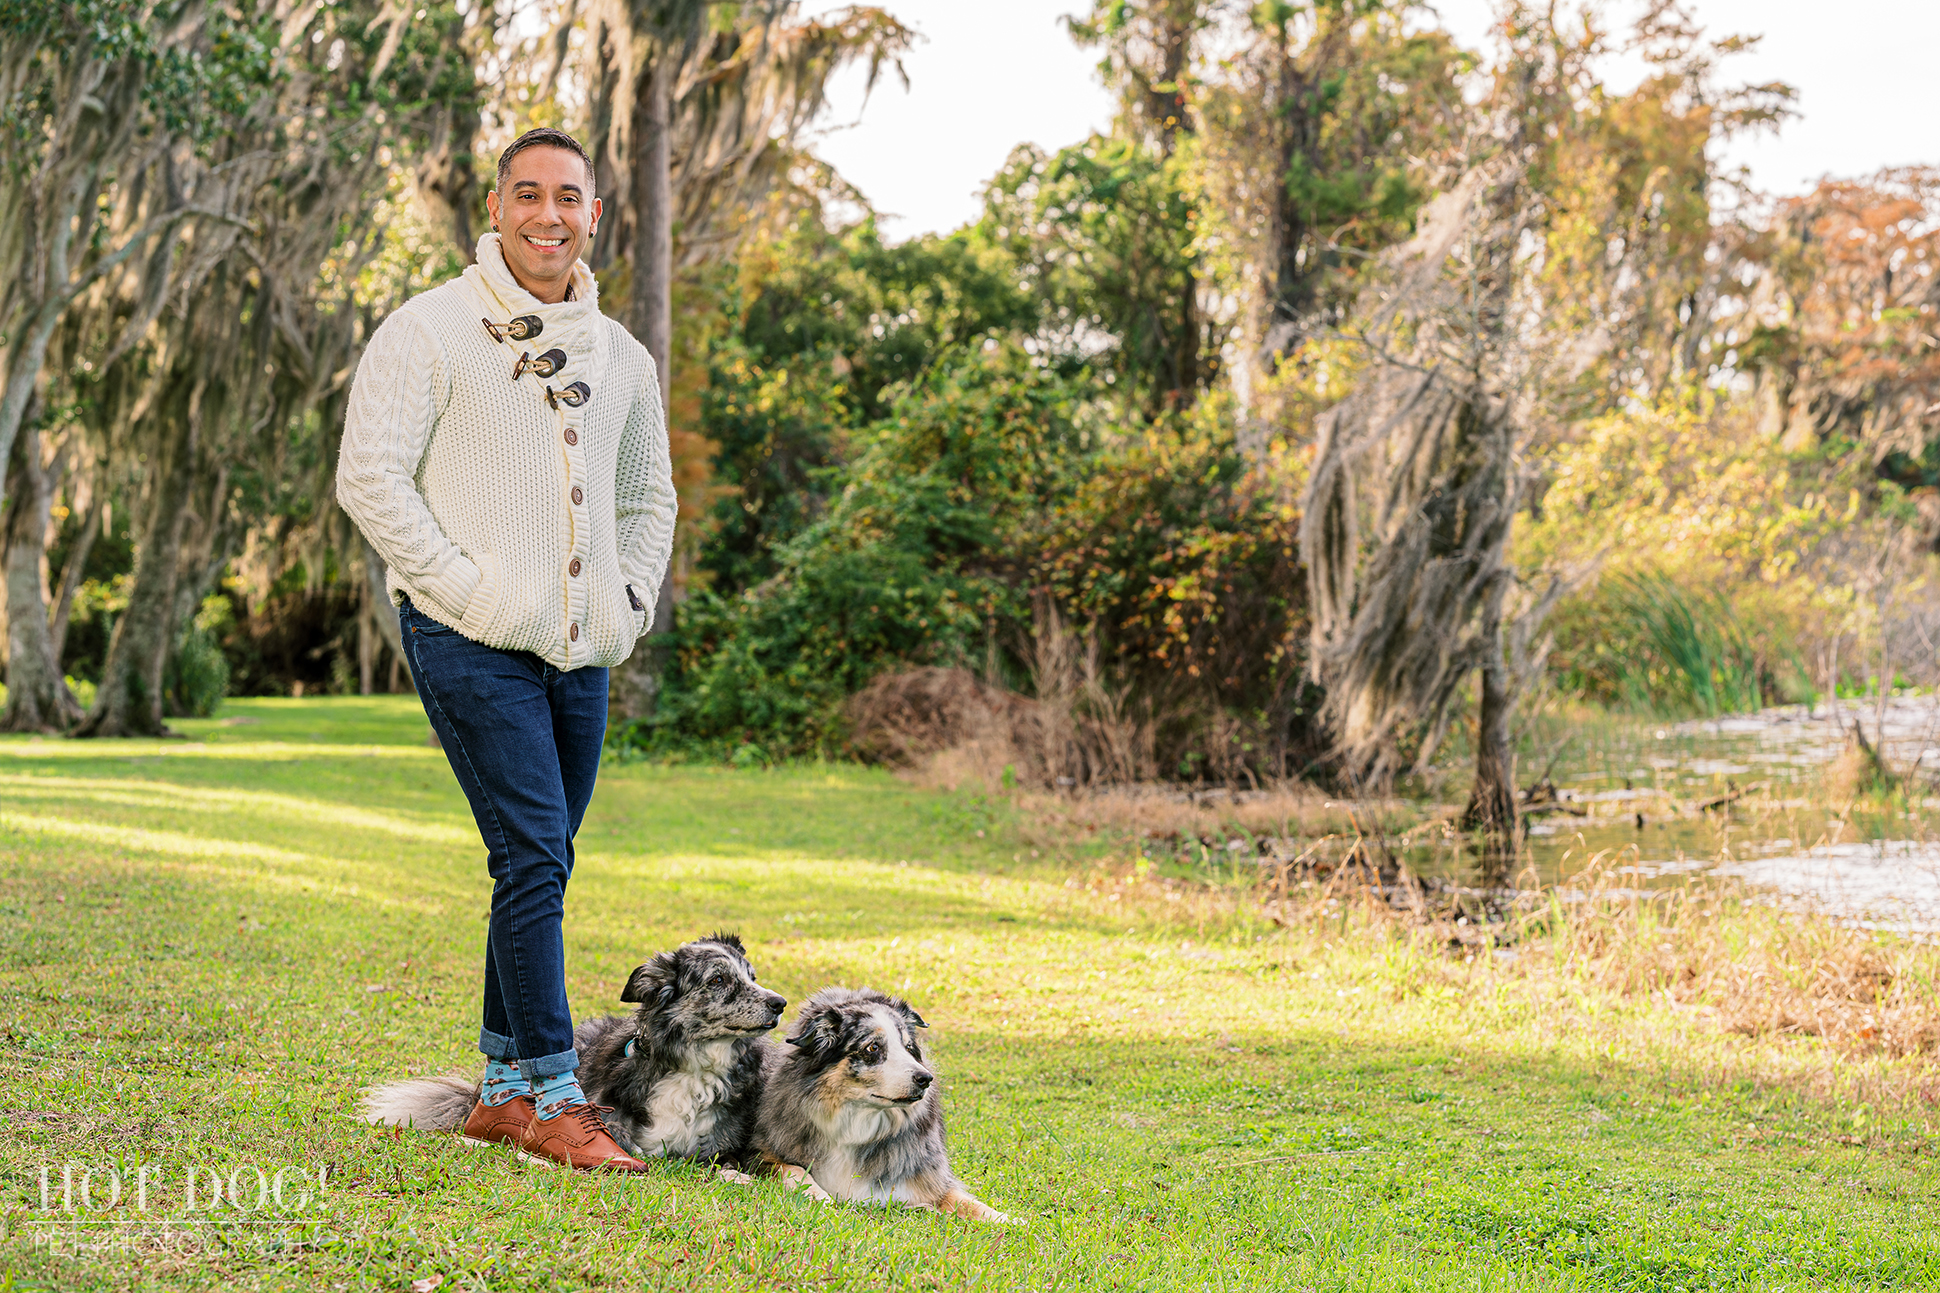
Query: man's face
545	217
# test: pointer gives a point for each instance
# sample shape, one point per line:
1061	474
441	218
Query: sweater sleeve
645	502
393	406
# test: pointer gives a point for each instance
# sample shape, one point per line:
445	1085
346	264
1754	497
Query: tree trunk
38	699
1168	111
23	373
129	699
382	612
72	571
632	686
1492	800
650	304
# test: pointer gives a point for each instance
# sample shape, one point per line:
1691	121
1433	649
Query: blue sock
556	1092
503	1082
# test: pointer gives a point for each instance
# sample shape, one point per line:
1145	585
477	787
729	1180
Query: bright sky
994	73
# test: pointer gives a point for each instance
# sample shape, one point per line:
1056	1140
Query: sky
994	73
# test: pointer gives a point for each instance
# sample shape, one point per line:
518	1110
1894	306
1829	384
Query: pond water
1753	796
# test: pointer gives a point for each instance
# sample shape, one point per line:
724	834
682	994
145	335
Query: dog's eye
872	1053
716	982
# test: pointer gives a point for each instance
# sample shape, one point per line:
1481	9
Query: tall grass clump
1646	643
1696	655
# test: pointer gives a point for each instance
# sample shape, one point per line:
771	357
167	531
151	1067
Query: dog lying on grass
681	1075
851	1111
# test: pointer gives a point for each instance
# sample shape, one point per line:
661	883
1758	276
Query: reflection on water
1887	884
1740	797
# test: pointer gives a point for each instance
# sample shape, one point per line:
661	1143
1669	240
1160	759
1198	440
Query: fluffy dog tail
428	1104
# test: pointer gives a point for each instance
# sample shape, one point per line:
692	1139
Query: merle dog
852	1110
681	1076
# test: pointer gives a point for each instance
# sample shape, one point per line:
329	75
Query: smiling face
545	215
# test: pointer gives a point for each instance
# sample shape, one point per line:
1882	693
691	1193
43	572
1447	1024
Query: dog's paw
733	1177
798	1178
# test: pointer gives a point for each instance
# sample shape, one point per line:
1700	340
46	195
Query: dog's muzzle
921	1081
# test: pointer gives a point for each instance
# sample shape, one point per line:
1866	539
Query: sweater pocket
482	609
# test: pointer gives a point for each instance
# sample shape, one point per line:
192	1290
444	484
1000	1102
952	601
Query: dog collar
626	1051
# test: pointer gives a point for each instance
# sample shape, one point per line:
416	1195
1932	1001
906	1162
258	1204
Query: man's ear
654	982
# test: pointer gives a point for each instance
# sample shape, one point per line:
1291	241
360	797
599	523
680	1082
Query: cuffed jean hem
549	1065
497	1046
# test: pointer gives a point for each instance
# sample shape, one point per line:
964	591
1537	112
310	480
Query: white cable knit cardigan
520	522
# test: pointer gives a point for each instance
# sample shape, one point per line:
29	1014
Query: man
505	454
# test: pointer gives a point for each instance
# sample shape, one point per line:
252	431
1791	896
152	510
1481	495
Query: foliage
1839	332
1697	517
1663	650
1181	564
832	327
908	563
197	676
1317	141
924	445
1638	262
1102	234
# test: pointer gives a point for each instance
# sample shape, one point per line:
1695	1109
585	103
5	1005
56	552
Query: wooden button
573	569
572	436
578	497
573	632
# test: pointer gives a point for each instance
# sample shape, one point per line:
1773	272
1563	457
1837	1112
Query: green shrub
196	677
915	561
1645	642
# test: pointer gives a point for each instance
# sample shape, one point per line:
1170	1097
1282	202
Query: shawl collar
571	325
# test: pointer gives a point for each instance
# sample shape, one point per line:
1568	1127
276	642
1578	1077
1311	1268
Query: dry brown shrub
908	719
949	725
1848	775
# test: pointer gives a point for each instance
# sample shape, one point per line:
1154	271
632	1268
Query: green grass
208	946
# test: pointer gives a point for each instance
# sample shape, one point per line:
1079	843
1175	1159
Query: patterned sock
503	1082
556	1092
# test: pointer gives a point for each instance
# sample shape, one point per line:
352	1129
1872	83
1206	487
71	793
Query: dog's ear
729	940
814	1033
654	982
909	1013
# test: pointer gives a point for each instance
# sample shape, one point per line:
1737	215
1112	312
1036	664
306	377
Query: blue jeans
524	738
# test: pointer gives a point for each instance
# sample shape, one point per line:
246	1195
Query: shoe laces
588	1115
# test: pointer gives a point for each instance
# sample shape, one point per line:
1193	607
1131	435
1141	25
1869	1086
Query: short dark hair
543	137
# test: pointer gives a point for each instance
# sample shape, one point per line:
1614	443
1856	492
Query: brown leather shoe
501	1124
578	1139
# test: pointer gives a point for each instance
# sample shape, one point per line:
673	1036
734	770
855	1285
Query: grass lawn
207	947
